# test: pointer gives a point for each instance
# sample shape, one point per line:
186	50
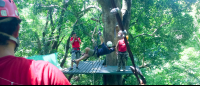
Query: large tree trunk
110	34
109	21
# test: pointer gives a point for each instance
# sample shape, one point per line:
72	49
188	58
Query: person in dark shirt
105	49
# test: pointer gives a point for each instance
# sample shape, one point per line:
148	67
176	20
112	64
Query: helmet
122	33
8	9
109	44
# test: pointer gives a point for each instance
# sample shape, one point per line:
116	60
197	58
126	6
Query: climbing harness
75	50
99	34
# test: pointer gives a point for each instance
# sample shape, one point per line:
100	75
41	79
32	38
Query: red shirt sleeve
71	38
79	39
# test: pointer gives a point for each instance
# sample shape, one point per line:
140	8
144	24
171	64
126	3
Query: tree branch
39	43
55	43
61	40
53	6
82	13
95	19
89	7
44	33
160	27
47	21
51	13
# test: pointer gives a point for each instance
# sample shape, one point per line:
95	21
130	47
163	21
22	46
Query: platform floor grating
89	67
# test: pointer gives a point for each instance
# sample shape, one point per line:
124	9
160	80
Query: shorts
123	55
91	52
75	54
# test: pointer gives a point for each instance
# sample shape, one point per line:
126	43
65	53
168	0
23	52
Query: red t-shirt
121	46
76	43
22	71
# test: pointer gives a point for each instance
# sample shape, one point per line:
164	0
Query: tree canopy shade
163	36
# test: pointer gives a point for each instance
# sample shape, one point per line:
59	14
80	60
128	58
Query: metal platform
90	67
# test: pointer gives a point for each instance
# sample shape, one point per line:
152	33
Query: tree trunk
126	13
110	22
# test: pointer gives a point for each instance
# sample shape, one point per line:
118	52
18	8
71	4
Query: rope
93	78
11	83
126	42
99	30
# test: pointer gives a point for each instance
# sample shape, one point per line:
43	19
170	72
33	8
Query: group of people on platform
107	48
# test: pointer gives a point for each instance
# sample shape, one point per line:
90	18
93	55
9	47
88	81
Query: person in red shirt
76	42
122	55
19	70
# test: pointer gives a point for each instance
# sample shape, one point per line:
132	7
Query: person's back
22	71
18	70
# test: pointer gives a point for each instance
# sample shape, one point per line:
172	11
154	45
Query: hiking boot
118	70
77	68
124	70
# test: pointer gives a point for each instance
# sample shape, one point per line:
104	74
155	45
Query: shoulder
21	60
103	44
71	38
46	69
121	40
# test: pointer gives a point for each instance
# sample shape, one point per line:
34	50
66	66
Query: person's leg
71	64
77	57
123	62
73	58
127	55
87	53
119	62
84	56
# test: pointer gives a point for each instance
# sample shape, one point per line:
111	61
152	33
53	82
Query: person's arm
79	40
101	38
72	40
116	48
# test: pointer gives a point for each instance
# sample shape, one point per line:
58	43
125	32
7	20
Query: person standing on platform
121	52
76	42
